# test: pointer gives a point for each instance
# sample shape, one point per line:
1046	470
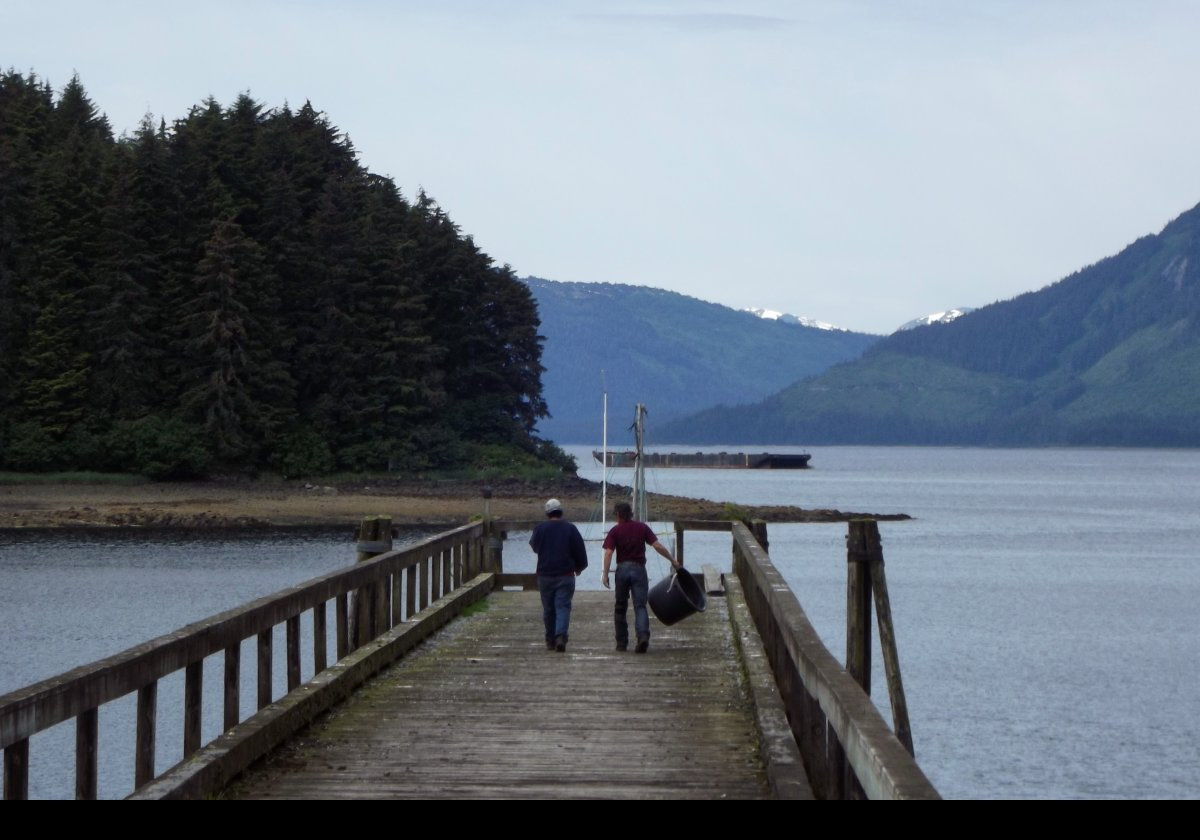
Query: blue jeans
631	578
557	593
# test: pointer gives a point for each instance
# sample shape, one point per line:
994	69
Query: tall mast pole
639	467
604	461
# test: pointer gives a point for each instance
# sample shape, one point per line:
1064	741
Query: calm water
1047	605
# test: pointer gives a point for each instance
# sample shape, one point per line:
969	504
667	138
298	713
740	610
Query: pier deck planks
484	710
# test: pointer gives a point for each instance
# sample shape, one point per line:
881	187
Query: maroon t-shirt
630	540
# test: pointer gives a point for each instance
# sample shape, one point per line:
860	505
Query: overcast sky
858	162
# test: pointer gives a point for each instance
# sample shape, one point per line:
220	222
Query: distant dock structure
708	460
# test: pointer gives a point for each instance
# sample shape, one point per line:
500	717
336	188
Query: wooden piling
367	611
891	655
862	542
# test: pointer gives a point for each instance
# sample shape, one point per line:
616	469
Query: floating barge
709	460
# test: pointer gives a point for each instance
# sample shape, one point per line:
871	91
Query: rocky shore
239	504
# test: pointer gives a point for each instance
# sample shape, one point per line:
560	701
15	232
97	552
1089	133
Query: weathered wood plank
713	584
703	525
777	744
525	580
465	716
222	760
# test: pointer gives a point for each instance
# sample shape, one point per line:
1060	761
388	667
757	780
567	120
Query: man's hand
604	579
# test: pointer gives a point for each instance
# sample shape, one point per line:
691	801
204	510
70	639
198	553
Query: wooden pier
440	686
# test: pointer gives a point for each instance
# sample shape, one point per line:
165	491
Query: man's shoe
622	645
549	644
642	646
560	643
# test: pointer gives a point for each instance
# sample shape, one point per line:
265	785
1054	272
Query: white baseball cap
553	505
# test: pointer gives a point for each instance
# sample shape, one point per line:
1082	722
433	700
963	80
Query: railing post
193	699
292	636
494	550
342	617
320	643
435	586
410	592
16	770
233	682
679	544
147	713
397	598
265	639
87	738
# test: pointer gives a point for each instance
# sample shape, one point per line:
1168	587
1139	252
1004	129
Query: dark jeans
631	579
557	593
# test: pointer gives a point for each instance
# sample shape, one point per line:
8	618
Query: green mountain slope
675	353
1107	356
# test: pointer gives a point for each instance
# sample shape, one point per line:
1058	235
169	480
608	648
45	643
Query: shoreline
247	505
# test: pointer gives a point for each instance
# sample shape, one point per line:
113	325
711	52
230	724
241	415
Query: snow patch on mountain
936	318
800	320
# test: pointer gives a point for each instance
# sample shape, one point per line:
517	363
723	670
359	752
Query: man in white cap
562	557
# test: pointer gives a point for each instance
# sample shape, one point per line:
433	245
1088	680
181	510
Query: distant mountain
1107	356
799	320
674	353
936	318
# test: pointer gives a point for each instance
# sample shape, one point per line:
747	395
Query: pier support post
368	610
758	527
493	540
862	543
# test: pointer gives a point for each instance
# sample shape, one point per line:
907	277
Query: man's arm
662	549
607	562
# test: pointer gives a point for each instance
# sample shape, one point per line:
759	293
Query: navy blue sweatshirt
559	547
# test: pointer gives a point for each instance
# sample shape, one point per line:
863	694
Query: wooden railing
847	746
371	598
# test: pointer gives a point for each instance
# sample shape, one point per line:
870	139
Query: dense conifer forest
235	292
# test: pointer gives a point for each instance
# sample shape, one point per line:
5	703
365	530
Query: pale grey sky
858	162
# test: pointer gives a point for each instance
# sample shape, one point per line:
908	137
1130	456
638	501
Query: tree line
235	291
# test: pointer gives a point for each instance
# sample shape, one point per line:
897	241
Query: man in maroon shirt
629	538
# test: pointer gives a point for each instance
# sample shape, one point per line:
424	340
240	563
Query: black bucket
676	596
